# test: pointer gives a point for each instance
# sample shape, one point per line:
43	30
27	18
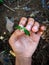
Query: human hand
22	44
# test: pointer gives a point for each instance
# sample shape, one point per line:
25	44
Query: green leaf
1	1
27	32
18	27
24	29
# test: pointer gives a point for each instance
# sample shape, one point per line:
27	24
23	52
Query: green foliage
1	1
23	29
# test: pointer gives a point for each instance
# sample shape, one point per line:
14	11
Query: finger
23	21
43	27
30	24
41	30
35	28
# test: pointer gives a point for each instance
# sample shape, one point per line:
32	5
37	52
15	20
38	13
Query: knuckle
31	19
36	23
23	18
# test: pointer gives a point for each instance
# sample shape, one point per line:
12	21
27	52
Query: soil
41	55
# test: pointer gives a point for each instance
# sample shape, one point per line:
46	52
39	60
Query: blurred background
10	13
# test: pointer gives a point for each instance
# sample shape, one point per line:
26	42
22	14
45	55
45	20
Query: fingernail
28	27
35	28
43	28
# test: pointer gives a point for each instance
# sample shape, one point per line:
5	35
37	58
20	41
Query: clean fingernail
35	28
43	28
28	27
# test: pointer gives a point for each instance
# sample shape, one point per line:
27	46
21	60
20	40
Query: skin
24	46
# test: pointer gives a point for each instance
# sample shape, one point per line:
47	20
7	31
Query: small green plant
23	29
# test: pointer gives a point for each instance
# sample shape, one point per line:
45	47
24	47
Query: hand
22	44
